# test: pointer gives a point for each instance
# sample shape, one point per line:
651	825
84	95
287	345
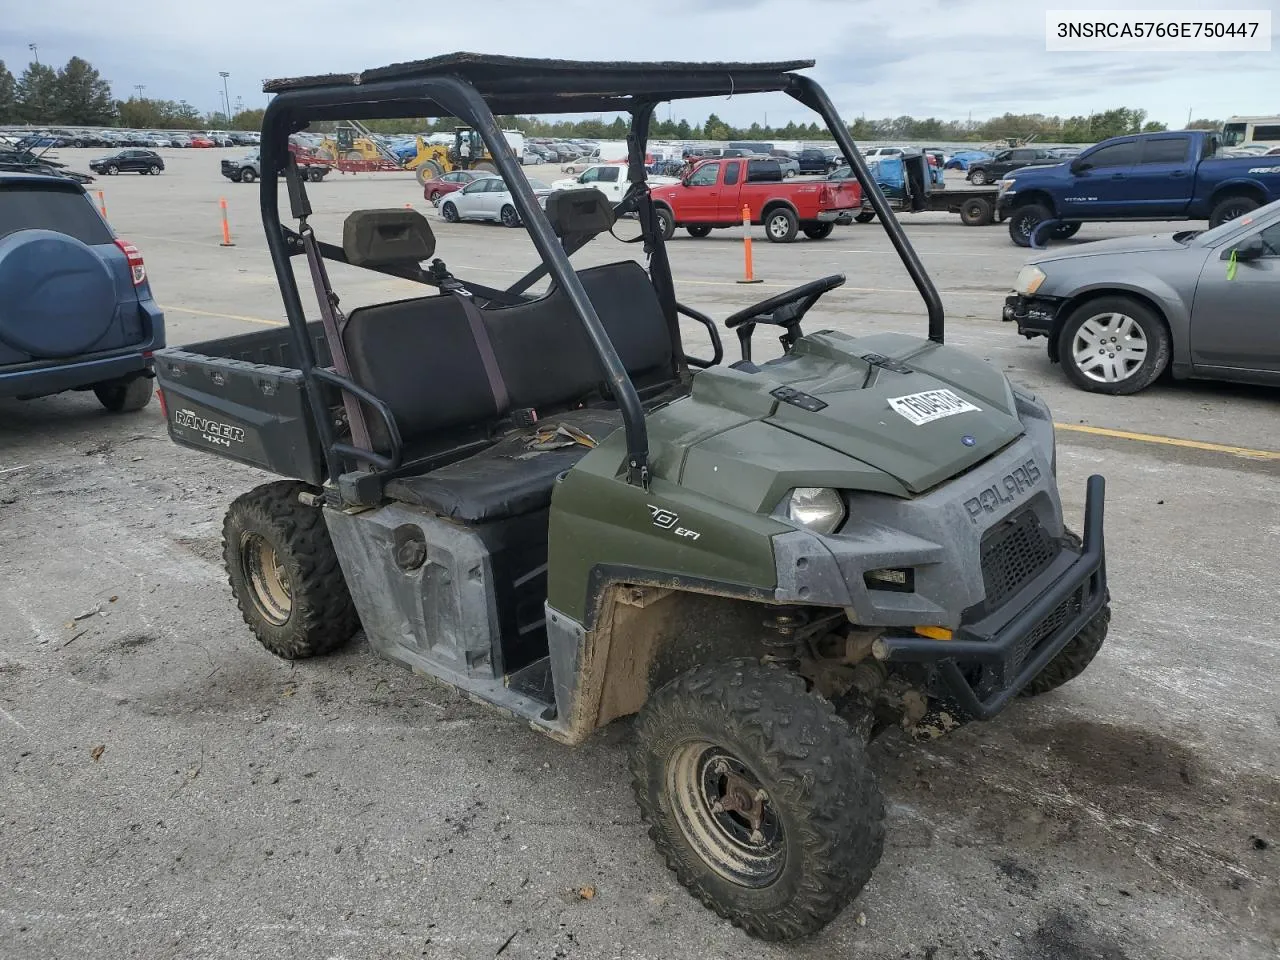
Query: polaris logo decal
922	408
223	434
1010	488
664	519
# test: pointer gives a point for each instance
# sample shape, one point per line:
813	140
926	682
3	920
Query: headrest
579	211
374	238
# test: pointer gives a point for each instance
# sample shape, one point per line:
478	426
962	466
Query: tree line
76	95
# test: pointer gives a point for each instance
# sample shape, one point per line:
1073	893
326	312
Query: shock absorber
780	642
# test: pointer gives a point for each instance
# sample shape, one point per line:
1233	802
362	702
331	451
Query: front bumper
991	660
1035	316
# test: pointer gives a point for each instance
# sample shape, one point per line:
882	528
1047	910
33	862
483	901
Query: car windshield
538	184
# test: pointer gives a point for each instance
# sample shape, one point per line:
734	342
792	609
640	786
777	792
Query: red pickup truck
713	195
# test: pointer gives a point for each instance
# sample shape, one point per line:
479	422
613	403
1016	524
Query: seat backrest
419	357
545	355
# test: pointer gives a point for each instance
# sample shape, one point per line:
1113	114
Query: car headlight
819	509
1006	184
1029	280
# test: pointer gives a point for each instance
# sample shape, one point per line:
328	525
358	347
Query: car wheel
975	212
819	231
866	216
154	170
1064	231
698	230
509	217
666	223
781	226
247	175
112	170
789	174
1230	209
449	212
1024	222
978	177
1113	345
571	170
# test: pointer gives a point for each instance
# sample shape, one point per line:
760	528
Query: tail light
825	197
136	267
164	407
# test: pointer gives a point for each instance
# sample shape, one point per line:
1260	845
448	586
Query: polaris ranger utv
545	502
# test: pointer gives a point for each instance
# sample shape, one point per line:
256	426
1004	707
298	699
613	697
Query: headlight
819	509
1029	279
1005	184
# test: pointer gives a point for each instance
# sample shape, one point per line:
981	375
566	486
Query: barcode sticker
931	405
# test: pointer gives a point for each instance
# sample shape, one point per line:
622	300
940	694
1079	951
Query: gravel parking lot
171	790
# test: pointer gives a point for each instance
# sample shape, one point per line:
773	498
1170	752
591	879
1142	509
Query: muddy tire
285	574
738	731
428	170
1076	656
127	397
976	212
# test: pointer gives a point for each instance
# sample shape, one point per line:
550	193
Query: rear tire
1064	230
666	222
976	212
699	230
819	231
1024	221
112	170
1230	209
127	397
781	225
866	216
1080	349
284	572
743	730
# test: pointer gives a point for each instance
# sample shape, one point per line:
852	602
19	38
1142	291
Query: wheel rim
267	579
978	177
1109	347
1233	213
664	225
450	213
725	815
779	227
509	218
1027	225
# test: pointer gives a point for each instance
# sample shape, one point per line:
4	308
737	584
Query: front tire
112	170
127	397
284	572
758	797
428	170
1073	659
781	225
247	175
1113	345
978	177
666	223
1024	221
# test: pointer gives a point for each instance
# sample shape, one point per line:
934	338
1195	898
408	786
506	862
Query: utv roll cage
473	88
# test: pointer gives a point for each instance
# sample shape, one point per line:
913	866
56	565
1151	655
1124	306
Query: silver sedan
488	198
1203	304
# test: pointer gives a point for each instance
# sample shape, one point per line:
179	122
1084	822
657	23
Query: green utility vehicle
546	502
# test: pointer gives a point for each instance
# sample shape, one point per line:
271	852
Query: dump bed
243	398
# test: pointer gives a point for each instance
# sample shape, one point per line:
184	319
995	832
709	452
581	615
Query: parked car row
52	139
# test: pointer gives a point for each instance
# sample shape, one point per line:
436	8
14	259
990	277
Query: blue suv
76	310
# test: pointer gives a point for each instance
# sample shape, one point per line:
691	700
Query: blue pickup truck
1156	176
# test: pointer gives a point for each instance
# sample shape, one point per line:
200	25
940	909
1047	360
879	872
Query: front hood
1153	243
929	415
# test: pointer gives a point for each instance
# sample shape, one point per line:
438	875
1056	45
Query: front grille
1013	554
1059	617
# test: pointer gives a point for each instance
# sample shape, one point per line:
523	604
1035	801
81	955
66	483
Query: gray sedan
1117	313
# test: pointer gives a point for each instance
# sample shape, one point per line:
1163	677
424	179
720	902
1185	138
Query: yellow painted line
1224	448
225	316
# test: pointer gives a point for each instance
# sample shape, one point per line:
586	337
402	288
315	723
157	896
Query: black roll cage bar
338	98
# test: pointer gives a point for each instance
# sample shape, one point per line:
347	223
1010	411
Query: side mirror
1250	249
1080	166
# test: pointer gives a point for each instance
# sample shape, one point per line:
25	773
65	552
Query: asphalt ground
168	789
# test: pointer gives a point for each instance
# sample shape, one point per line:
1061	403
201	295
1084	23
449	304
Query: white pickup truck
609	178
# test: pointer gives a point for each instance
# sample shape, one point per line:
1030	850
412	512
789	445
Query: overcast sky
944	58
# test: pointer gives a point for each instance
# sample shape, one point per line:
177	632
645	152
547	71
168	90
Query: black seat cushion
546	356
505	480
420	358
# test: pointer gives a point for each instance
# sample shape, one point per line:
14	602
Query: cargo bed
243	397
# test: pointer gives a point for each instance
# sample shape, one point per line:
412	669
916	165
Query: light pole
139	87
35	52
226	97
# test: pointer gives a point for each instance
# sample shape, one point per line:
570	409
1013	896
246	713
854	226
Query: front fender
1145	286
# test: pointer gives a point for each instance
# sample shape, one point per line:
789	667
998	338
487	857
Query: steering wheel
784	310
